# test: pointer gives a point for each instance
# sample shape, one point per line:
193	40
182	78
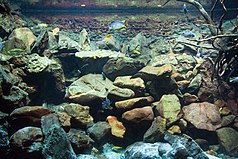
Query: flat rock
129	104
138	115
93	86
34	111
152	73
203	115
136	84
99	54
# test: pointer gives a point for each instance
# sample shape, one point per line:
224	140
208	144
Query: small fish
184	9
189	34
40	26
45	105
233	80
199	52
106	104
117	148
118	25
1	46
104	77
136	52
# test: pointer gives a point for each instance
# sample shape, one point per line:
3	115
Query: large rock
117	128
27	141
142	150
136	84
149	73
99	54
129	104
67	45
27	116
84	41
93	86
169	108
24	36
120	66
99	132
203	115
156	131
227	138
138	115
80	141
183	147
56	141
37	64
182	63
78	114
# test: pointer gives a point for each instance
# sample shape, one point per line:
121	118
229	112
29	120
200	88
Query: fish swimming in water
184	9
118	25
199	52
233	80
40	26
189	34
106	104
104	76
1	46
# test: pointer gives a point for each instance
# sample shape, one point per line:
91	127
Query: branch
217	36
204	14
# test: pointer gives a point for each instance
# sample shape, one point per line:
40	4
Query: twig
215	37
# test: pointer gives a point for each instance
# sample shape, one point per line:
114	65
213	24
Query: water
160	72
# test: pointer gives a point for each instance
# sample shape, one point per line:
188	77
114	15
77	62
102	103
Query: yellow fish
136	52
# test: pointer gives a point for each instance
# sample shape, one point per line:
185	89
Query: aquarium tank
118	79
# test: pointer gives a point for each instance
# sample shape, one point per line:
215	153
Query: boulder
100	54
27	116
182	62
203	115
149	73
183	147
26	141
227	120
80	141
227	138
24	35
195	84
78	114
99	132
117	128
135	84
93	86
56	142
169	108
142	151
129	104
138	115
156	131
120	66
67	45
137	43
37	64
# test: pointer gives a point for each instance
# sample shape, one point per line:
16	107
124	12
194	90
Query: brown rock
203	115
64	119
189	98
136	84
117	128
134	103
138	115
28	139
34	111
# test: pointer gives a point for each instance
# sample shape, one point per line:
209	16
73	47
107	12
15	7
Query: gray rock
120	66
56	142
183	147
80	141
99	132
195	84
227	138
37	64
156	131
84	41
93	86
140	150
41	43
